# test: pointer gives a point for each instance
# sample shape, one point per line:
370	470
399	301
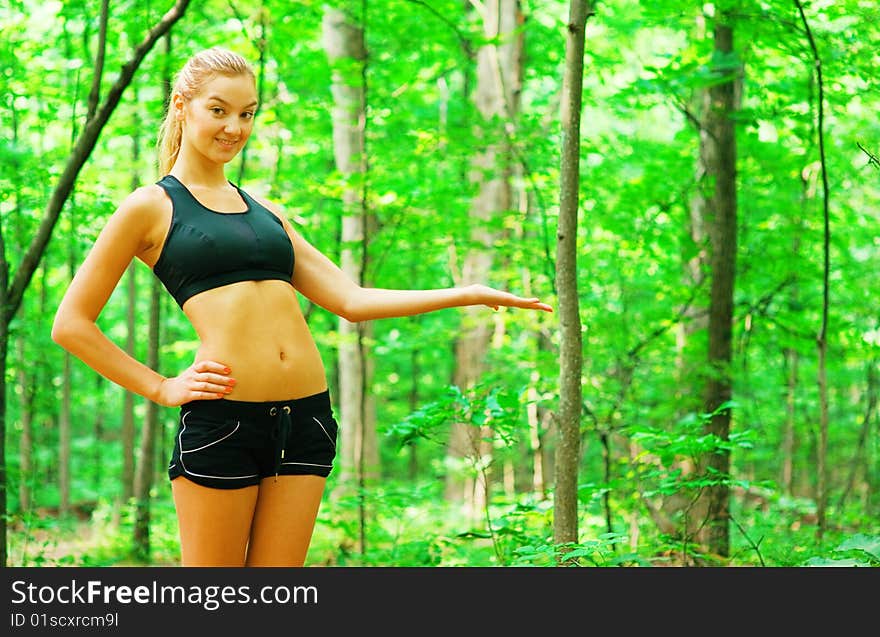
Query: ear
177	103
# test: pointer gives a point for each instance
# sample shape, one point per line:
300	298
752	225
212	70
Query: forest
696	193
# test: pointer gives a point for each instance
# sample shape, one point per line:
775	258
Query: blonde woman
257	435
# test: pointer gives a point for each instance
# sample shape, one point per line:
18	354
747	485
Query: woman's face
218	120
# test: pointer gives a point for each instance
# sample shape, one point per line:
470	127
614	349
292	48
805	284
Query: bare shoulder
145	203
145	213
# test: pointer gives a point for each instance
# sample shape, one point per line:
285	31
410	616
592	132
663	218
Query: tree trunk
497	97
128	429
260	43
146	464
792	360
694	320
346	51
859	461
531	472
538	475
790	354
4	341
789	439
27	384
98	475
720	125
64	436
822	337
11	293
695	267
565	509
95	92
65	421
413	402
26	373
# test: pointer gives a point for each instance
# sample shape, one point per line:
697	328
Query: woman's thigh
214	523
284	520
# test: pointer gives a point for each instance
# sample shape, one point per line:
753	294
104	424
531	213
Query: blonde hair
198	70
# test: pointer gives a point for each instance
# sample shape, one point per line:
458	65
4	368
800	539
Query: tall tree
343	31
64	417
128	428
26	374
822	337
568	419
128	419
497	98
145	471
27	384
791	356
146	461
720	162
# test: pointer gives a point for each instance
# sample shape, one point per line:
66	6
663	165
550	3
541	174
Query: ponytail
170	134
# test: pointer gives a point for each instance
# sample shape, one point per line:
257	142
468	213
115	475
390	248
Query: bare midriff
256	328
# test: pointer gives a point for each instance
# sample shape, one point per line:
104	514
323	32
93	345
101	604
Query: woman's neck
199	174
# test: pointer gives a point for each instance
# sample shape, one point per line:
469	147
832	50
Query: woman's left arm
373	303
324	283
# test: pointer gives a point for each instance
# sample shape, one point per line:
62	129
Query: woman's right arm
125	236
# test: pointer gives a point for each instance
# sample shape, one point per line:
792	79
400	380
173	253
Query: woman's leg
284	520
214	523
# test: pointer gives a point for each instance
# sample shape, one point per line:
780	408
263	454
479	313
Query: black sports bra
206	249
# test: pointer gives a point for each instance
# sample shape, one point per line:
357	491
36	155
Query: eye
248	115
216	110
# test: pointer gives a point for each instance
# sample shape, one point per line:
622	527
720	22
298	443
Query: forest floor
48	546
77	542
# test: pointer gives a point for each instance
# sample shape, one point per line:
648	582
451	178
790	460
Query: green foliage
598	552
859	550
644	417
485	405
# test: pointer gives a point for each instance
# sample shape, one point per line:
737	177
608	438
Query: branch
817	62
689	116
81	151
633	354
872	159
466	44
95	93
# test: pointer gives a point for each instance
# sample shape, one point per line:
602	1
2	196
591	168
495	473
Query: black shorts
230	444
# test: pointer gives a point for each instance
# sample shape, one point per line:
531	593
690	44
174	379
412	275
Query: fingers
523	303
211	366
223	386
203	380
207	395
537	305
210	379
495	298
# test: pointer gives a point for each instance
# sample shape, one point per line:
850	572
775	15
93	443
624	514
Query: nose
232	127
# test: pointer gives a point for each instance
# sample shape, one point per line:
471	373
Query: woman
256	435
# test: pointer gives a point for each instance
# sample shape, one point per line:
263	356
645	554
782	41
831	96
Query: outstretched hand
496	298
203	380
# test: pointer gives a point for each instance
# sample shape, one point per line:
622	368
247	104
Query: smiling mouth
224	142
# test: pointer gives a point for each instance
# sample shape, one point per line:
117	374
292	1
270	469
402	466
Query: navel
282	355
